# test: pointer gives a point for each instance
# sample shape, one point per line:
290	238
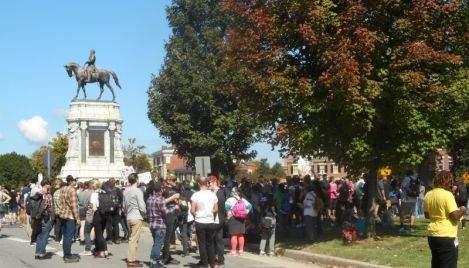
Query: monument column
83	128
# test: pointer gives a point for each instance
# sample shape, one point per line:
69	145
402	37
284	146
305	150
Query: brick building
166	161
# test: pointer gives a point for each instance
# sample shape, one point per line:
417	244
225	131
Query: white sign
202	165
126	172
144	177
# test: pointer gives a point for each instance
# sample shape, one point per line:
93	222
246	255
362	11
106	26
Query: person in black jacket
219	220
113	218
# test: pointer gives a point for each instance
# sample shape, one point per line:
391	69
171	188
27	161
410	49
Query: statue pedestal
94	141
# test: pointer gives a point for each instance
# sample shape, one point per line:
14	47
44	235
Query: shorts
332	203
14	209
407	208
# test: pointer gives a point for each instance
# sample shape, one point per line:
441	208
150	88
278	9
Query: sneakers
240	253
171	261
134	264
401	229
262	253
156	265
86	253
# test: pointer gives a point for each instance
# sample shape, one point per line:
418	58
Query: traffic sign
386	171
466	178
202	165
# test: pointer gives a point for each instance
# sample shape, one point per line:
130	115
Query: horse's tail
116	80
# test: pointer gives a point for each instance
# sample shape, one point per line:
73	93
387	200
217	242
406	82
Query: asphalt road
15	251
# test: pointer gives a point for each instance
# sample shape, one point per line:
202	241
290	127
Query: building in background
166	162
318	166
443	161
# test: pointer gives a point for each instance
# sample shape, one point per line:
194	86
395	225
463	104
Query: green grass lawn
395	249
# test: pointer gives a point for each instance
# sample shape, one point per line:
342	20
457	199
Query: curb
324	259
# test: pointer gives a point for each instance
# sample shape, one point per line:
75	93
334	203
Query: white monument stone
94	141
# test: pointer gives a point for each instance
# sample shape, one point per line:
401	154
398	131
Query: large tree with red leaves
361	82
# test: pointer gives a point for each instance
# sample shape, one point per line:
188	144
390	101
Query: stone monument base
94	141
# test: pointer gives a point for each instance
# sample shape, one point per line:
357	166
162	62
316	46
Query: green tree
37	160
185	100
134	156
277	171
15	170
263	168
58	146
359	82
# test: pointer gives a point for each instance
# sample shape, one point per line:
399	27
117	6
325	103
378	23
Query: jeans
267	239
41	241
419	207
58	228
125	227
184	234
444	252
36	229
88	242
205	236
171	222
158	240
68	232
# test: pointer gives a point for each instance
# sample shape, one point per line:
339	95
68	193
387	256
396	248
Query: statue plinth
94	141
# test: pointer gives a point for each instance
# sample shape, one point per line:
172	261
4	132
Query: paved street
15	251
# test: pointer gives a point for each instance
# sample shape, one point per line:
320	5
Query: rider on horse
91	68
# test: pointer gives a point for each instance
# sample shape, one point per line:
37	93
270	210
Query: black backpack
461	195
413	190
106	203
36	207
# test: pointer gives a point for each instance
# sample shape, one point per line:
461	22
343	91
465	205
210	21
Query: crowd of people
245	211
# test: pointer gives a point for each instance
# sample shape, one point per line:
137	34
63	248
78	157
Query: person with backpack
410	191
268	222
462	199
4	199
113	217
42	211
237	209
156	214
56	197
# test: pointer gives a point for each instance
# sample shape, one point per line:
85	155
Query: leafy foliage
15	170
264	169
134	156
360	82
59	146
37	160
185	101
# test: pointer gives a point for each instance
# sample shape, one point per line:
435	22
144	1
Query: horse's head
68	68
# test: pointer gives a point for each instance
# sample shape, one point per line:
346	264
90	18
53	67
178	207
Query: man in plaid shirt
156	213
69	216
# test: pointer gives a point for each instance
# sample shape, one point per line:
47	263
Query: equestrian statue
91	74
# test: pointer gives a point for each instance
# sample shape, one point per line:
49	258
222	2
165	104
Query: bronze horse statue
100	76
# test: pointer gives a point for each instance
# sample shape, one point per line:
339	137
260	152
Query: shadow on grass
295	237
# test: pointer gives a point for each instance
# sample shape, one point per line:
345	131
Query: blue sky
39	37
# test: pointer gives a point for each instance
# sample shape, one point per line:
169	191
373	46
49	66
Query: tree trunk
426	170
371	183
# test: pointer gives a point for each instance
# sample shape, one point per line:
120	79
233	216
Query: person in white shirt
310	213
99	221
204	206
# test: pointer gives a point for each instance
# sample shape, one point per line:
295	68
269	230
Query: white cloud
34	129
60	113
1	136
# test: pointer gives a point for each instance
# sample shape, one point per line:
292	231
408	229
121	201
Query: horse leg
84	91
101	90
78	92
112	91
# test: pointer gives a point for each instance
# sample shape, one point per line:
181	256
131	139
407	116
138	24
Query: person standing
13	205
461	199
69	217
219	221
156	213
410	191
172	199
4	199
204	206
113	218
44	221
99	221
310	213
332	199
267	212
440	207
237	210
22	202
134	207
57	205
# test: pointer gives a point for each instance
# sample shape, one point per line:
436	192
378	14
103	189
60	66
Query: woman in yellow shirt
440	207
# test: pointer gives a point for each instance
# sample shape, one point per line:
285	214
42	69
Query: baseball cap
70	178
213	178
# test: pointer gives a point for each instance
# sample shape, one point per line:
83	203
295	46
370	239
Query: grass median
406	249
